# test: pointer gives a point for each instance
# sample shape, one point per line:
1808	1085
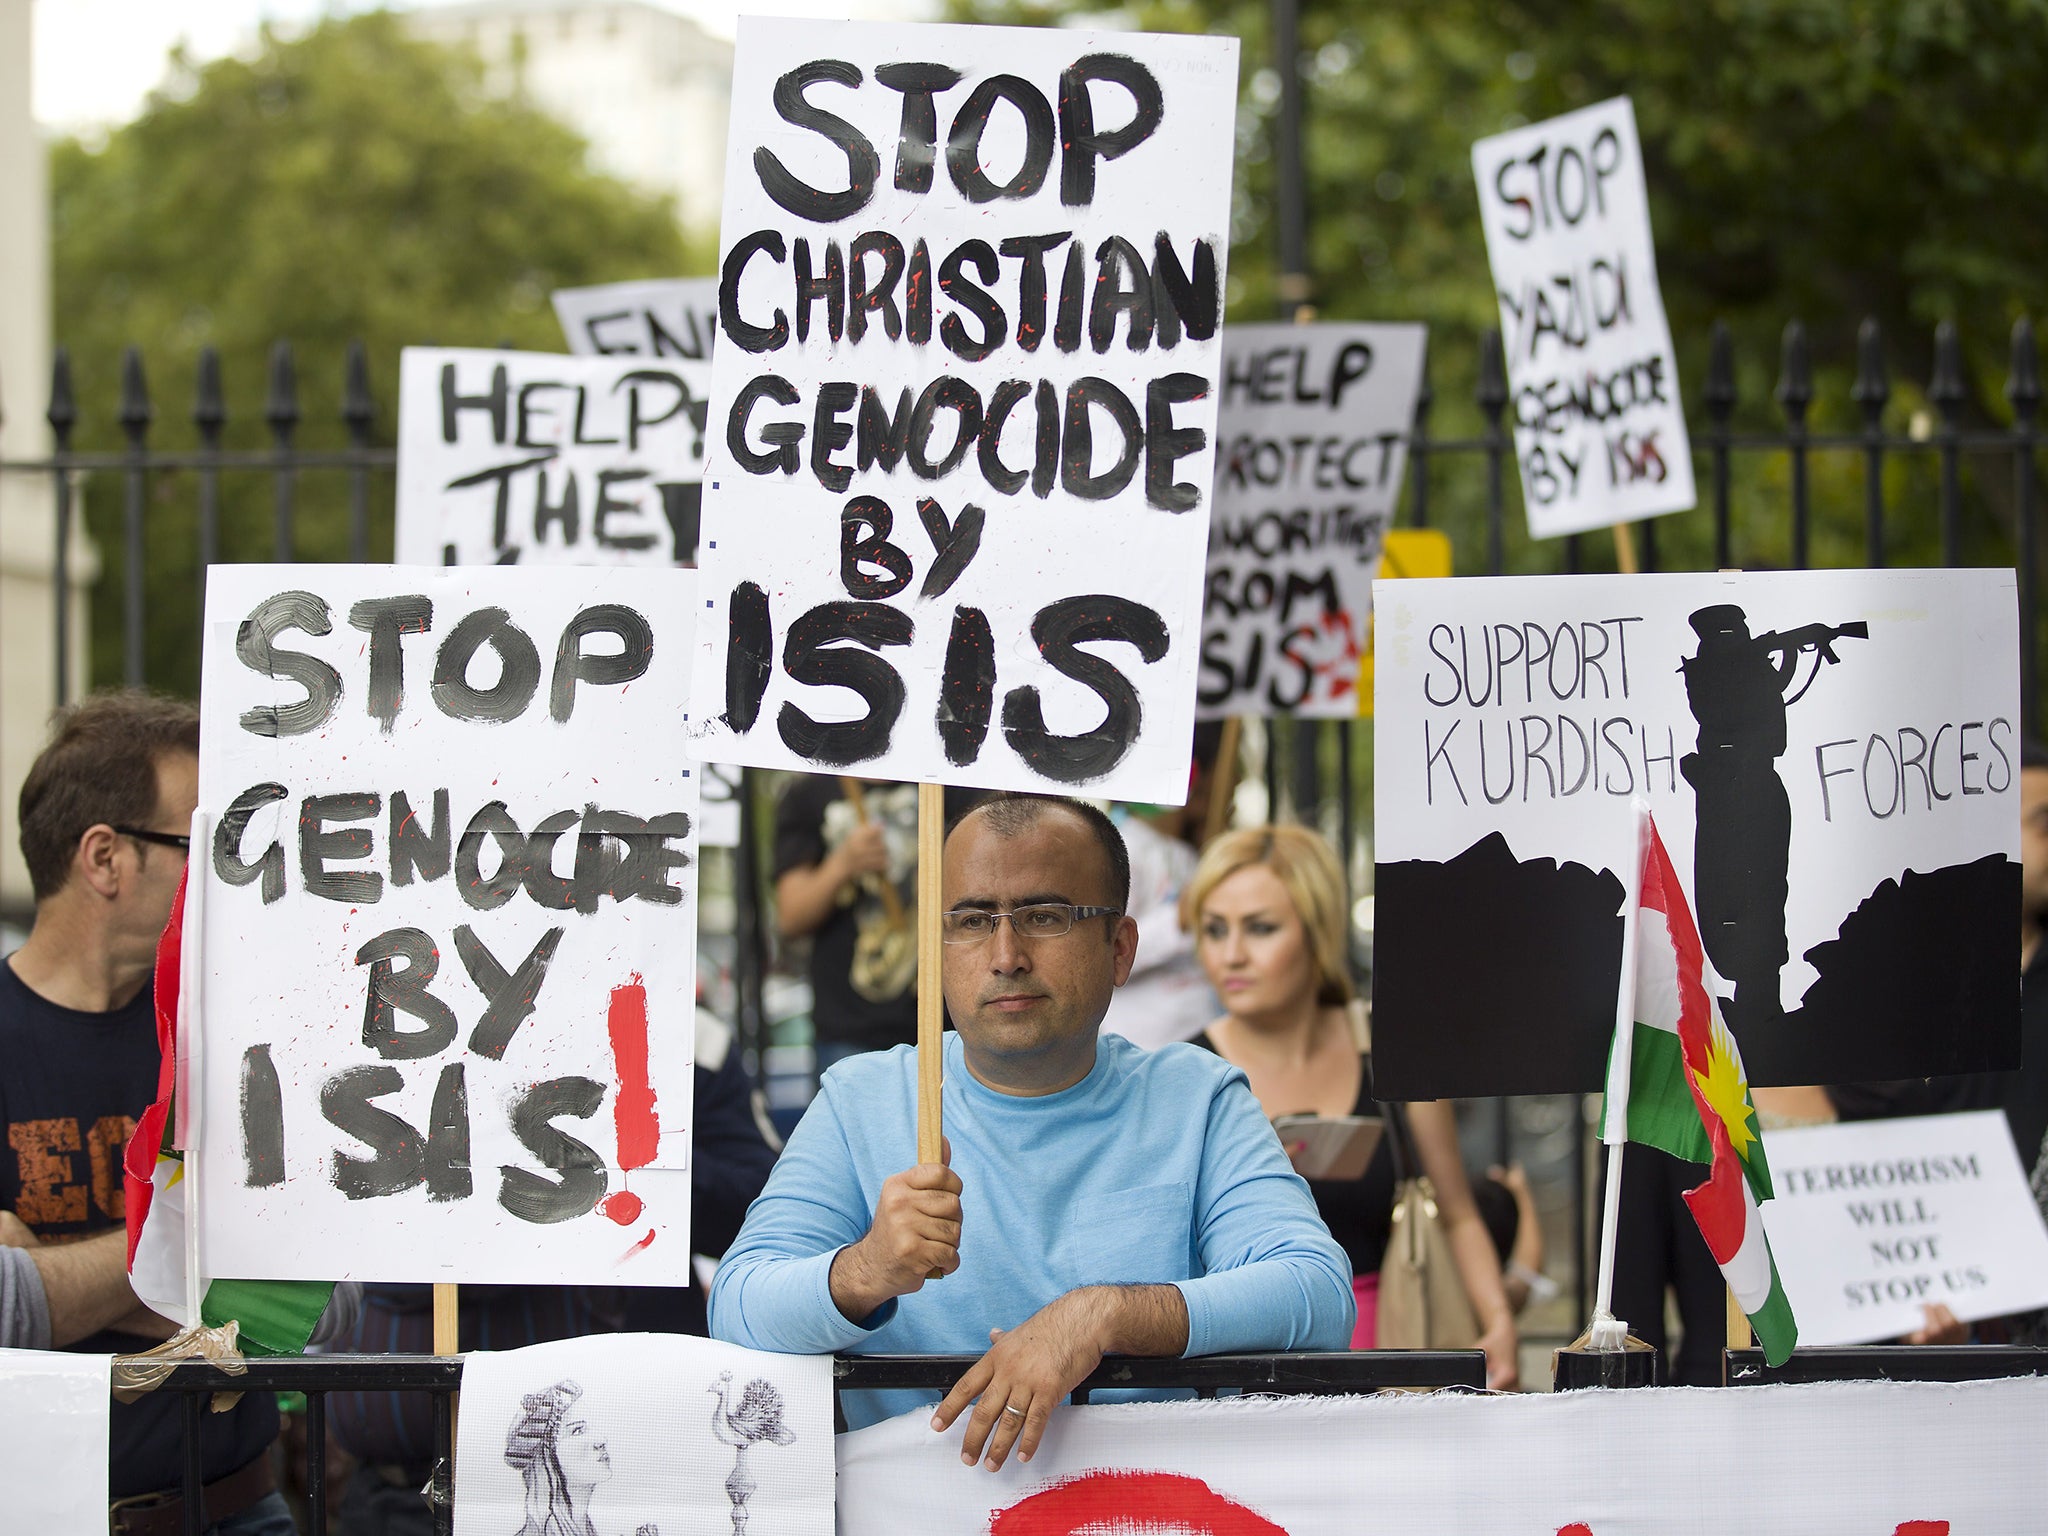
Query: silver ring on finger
1013	1408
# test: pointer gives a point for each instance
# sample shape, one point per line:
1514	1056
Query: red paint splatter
633	1113
1922	1528
1119	1500
624	1207
1576	1528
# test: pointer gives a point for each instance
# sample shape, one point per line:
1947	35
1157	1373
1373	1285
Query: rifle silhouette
1818	638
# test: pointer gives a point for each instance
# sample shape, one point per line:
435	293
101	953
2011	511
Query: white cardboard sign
1876	1219
659	317
449	925
1592	377
644	1432
1312	439
53	1458
1831	757
964	401
539	459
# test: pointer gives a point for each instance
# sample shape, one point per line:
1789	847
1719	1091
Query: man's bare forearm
85	1285
1137	1319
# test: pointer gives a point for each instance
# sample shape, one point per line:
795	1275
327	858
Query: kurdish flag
277	1317
1675	1081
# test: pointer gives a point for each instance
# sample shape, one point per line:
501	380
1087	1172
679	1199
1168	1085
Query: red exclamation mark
633	1109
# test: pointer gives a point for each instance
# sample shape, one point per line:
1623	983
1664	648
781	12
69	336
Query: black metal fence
440	1377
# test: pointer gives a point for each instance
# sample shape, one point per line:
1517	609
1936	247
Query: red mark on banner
1576	1528
624	1207
1922	1528
1129	1501
633	1109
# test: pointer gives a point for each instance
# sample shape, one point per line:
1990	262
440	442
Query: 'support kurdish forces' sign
449	922
532	458
1311	441
965	391
1832	758
1592	377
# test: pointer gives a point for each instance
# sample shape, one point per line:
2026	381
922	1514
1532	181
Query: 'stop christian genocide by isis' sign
448	925
1592	378
964	401
1833	761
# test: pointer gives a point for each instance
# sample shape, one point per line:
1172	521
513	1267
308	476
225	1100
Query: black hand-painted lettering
811	656
1122	287
682	506
384	620
1045	462
917	296
945	393
883	435
975	299
783	454
262	1120
574	665
1079	450
543	1201
508	995
1082	144
488	893
518	669
416	848
1030	251
829	433
566	514
967	687
963	143
744	334
1166	444
608	504
318	843
1007	397
878	295
749	656
917	144
548	890
1183	302
400	1161
681	400
227	843
1060	629
831	288
1066	325
447	1161
953	545
392	991
864	526
255	647
496	402
862	163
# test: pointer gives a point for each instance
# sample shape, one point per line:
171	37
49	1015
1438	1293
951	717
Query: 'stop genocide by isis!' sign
964	402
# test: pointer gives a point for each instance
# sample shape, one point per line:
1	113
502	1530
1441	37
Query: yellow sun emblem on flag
1725	1088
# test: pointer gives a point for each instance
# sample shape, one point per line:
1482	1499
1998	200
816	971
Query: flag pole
191	1000
1607	1333
931	1004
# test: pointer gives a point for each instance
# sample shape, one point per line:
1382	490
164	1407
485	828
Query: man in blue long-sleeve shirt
1097	1199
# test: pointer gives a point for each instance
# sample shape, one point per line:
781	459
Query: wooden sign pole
1223	781
931	1002
446	1338
1625	549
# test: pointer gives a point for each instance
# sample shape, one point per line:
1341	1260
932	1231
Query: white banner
1877	1219
965	401
449	925
53	1456
1592	377
660	317
647	1433
1861	1459
534	458
1312	438
1831	757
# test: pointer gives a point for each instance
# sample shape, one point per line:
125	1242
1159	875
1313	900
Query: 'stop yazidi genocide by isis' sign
448	925
964	403
1592	378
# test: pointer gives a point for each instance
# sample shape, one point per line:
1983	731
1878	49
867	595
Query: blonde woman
1268	911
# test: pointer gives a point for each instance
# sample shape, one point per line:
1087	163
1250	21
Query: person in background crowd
846	878
391	1434
1268	910
1095	1198
1167	998
1508	1207
106	811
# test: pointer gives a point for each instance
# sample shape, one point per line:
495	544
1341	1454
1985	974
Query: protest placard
534	458
449	955
660	317
1312	438
1592	377
1832	760
53	1458
965	397
1875	1220
1887	1458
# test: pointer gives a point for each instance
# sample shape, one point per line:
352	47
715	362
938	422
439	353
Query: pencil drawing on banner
1832	761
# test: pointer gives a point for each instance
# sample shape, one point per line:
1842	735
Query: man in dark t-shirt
846	877
105	813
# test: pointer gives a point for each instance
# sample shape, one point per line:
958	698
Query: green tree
1818	159
351	183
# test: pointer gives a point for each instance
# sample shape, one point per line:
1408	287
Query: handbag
1422	1300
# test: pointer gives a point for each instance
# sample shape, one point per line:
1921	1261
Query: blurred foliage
349	183
1827	160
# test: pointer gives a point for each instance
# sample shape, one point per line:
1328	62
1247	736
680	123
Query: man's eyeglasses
177	840
1039	920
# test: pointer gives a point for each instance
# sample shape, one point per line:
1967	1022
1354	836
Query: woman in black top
1269	914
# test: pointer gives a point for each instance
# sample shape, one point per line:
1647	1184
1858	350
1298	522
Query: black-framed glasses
1038	920
177	840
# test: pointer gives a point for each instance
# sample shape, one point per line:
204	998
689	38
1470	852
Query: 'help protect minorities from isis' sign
964	402
532	458
449	925
1311	441
1592	378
